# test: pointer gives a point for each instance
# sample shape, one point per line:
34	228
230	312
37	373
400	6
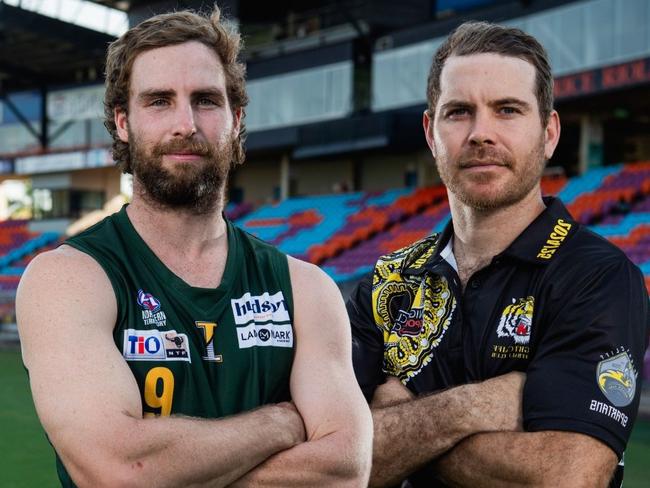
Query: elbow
95	477
117	475
101	460
356	476
347	476
354	465
106	472
584	480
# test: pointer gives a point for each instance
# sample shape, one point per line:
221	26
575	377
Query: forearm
336	460
179	451
400	427
437	422
527	459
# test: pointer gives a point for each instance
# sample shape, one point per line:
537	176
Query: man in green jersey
165	347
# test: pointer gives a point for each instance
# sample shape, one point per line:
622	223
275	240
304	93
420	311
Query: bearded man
513	285
166	347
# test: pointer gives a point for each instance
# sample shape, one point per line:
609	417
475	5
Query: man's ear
236	119
427	125
551	134
121	122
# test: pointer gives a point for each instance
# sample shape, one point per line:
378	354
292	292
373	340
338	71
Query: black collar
538	243
546	234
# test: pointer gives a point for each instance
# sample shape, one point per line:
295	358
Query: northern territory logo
151	309
155	345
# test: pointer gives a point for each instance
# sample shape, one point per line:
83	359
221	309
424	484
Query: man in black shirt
513	284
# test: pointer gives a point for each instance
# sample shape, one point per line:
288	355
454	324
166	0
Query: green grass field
27	461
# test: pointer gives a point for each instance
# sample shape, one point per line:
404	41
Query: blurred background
337	171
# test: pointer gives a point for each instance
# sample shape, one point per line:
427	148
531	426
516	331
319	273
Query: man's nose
184	121
482	130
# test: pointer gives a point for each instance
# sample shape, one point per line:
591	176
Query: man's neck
479	235
193	246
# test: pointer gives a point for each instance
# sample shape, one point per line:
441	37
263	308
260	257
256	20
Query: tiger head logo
516	320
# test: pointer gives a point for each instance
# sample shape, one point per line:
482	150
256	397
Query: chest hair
467	269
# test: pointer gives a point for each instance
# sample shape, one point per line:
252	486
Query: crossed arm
337	420
89	403
474	433
518	459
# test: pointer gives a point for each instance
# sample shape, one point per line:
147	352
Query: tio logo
142	345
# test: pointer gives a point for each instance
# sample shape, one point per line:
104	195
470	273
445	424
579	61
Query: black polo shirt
561	304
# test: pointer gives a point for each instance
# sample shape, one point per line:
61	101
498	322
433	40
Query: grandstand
345	233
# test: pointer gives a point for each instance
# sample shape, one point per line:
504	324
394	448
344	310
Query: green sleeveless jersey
201	352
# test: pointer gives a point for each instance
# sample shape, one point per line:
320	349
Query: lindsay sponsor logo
260	308
278	335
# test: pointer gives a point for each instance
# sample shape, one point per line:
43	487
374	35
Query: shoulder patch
616	379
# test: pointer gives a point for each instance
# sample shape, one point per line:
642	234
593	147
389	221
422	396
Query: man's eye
509	110
159	102
207	102
457	112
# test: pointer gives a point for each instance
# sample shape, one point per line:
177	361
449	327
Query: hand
496	403
391	393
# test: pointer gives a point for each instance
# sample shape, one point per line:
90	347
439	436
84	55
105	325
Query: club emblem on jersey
616	379
148	302
208	337
516	320
151	309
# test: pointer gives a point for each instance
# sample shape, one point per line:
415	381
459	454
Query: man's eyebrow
456	104
155	93
208	92
511	101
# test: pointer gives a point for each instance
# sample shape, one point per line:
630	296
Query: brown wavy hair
483	37
167	30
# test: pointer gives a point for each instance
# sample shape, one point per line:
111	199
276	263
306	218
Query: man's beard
526	175
195	186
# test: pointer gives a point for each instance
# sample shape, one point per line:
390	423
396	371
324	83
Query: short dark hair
168	30
483	37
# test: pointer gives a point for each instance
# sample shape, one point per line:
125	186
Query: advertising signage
599	80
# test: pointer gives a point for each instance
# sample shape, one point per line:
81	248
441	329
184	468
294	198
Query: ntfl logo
148	302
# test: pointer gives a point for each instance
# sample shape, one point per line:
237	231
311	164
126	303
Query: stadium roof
124	5
38	51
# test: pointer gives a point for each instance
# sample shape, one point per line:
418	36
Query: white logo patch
260	308
155	345
278	335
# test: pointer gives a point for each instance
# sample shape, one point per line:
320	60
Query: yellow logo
555	239
517	320
208	336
